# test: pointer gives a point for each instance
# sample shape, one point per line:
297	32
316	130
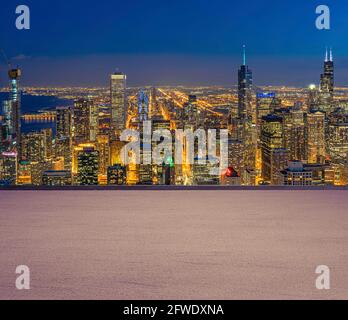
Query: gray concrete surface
174	244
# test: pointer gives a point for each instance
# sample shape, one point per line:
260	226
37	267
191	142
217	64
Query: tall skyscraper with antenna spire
245	82
326	90
327	78
245	128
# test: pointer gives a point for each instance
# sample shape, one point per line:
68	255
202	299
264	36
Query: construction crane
7	61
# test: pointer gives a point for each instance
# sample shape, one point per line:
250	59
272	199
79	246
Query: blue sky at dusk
173	42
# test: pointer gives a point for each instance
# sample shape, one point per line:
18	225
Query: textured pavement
174	244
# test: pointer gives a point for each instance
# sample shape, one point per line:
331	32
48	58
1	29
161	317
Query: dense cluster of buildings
305	144
269	143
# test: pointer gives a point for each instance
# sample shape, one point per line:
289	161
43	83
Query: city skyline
242	134
158	136
302	72
24	64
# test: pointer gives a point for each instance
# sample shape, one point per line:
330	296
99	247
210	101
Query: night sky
80	42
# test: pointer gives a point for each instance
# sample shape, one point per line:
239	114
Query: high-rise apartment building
63	122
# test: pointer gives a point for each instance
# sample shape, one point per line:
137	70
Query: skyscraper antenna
331	56
244	56
326	55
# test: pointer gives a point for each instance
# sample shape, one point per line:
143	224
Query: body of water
32	104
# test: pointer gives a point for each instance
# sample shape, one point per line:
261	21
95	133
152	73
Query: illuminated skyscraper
235	154
93	122
338	137
154	111
85	121
37	156
315	137
313	98
64	135
103	147
264	105
297	146
81	121
159	175
116	155
327	78
327	84
273	154
245	82
118	103
285	114
48	148
12	112
33	147
34	151
191	113
143	106
63	150
7	126
63	122
145	167
245	129
15	98
87	166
